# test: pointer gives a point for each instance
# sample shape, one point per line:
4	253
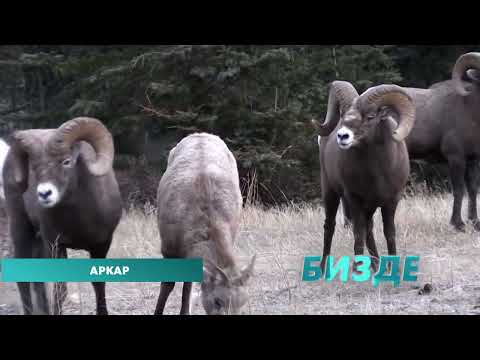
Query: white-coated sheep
199	208
4	148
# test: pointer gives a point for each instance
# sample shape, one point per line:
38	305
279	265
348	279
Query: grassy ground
281	238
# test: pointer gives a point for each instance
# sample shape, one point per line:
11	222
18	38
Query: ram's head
224	290
53	157
357	117
466	74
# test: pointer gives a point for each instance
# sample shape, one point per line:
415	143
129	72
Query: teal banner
101	270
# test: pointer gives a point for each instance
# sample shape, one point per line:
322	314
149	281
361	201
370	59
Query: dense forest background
259	99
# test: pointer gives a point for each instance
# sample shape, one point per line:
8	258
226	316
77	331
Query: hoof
355	268
322	267
459	226
102	312
427	289
476	224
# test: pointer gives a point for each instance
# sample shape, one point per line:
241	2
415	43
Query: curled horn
395	96
464	63
215	267
92	131
246	272
22	144
340	98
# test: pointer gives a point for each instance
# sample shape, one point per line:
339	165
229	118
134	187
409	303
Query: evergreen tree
260	99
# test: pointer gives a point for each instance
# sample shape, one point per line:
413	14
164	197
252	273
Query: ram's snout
47	194
345	137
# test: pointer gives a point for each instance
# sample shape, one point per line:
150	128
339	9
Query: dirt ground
281	238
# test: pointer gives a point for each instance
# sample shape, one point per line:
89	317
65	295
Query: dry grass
282	237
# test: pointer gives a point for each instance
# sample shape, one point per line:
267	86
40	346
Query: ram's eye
371	116
67	162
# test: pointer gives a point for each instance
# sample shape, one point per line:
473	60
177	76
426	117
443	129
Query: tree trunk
13	98
334	53
41	91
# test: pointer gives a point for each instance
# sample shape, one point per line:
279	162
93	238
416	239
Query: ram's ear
391	120
385	111
76	152
15	172
246	273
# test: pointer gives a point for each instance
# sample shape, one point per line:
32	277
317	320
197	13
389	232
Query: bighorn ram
447	129
364	160
199	208
61	192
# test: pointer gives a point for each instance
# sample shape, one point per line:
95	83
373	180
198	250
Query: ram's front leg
331	206
24	244
371	246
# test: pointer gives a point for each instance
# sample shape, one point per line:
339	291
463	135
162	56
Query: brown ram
61	192
364	160
447	129
199	208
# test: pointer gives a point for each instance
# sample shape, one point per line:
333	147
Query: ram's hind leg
99	287
39	251
165	290
388	216
359	217
371	246
472	176
331	203
186	298
52	249
347	216
59	289
457	169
